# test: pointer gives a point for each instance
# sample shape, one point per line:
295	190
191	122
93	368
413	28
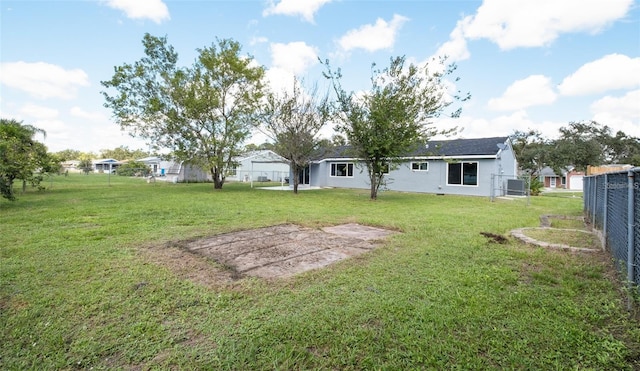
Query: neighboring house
259	166
153	163
183	172
72	166
476	167
105	165
568	179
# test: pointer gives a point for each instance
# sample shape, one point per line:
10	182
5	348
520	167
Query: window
462	173
420	166
342	170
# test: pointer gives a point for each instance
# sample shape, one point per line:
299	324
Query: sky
528	64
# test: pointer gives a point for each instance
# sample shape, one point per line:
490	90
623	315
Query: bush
535	186
133	168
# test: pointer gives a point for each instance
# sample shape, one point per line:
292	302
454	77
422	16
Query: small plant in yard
97	278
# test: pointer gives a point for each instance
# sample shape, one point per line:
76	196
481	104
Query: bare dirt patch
271	252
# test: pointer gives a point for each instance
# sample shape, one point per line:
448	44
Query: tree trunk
218	179
374	188
296	178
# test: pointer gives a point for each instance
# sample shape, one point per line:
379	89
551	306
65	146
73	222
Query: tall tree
293	120
395	115
583	143
21	156
625	149
203	113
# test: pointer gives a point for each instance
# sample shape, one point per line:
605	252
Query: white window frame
348	170
462	174
419	163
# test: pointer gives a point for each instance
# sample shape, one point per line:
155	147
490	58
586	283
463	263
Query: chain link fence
612	206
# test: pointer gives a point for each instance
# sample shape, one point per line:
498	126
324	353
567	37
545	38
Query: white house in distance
153	163
474	167
259	166
105	165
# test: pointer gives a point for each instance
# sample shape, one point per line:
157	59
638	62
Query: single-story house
476	167
568	179
105	165
259	166
153	163
72	166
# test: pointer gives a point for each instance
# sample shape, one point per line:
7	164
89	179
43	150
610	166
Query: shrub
133	168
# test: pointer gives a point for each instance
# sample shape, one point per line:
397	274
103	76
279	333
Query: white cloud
56	130
613	71
531	91
93	116
155	10
499	126
43	80
306	9
295	57
621	113
372	37
38	112
456	48
533	23
258	40
287	61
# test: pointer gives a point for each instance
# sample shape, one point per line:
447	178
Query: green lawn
80	288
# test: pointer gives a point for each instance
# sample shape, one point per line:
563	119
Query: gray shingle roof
454	147
464	147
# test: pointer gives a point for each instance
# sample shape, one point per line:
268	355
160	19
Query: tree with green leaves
293	121
85	164
625	149
68	154
395	115
133	168
22	157
584	143
203	113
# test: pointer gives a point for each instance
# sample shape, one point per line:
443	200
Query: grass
568	224
79	289
574	238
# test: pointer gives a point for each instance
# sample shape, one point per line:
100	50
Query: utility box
516	187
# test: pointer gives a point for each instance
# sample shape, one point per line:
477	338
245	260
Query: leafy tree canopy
123	153
579	144
22	157
202	113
